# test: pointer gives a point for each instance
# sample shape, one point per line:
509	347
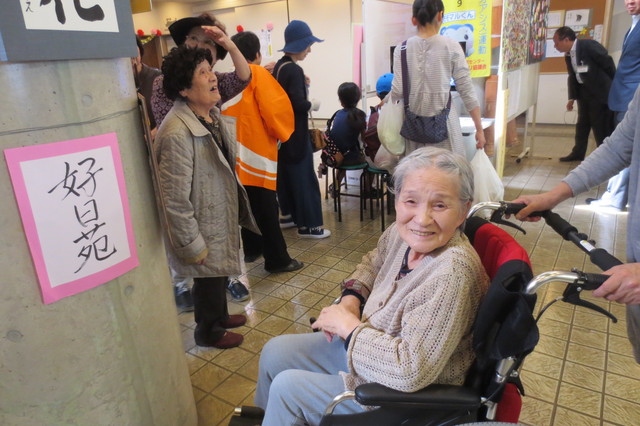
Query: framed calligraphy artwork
74	208
37	30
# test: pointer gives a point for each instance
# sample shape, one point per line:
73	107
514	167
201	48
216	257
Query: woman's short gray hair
445	160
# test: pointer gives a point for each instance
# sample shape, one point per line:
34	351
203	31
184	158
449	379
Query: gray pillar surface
111	355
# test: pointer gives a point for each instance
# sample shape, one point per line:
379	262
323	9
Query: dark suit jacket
601	70
628	76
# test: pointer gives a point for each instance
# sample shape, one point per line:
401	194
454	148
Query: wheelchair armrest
432	397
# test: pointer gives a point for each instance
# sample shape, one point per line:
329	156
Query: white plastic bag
487	183
385	160
389	125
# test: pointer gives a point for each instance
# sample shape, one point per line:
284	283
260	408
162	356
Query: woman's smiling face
428	209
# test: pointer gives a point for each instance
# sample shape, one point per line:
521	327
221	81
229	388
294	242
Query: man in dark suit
622	89
591	71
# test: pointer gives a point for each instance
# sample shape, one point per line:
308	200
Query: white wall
156	19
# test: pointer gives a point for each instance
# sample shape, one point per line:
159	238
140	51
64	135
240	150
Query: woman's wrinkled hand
337	320
218	36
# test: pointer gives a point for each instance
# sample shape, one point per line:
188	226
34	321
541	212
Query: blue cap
384	83
297	37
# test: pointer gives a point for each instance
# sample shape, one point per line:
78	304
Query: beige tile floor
581	373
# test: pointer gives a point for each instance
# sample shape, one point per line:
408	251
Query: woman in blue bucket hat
298	188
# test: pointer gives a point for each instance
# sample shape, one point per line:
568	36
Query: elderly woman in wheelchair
406	314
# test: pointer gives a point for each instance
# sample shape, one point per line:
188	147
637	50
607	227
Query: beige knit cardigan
417	330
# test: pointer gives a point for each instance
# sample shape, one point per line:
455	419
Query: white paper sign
82	189
577	18
75	212
551	50
70	15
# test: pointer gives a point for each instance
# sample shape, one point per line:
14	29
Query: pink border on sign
357	53
14	157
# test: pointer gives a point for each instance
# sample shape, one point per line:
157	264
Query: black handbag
416	127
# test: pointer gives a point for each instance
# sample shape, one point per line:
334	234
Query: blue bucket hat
384	83
297	37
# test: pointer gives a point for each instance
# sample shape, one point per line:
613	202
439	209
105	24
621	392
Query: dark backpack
370	138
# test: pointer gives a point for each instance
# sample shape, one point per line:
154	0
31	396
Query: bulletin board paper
555	19
578	18
552	52
74	208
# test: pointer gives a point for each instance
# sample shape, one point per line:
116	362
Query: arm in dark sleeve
601	58
292	80
572	81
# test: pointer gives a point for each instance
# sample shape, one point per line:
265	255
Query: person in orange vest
264	116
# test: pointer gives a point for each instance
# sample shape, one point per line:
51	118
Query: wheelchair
504	333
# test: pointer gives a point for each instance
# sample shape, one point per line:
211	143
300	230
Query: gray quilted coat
202	200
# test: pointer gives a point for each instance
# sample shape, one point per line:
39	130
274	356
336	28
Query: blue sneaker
237	290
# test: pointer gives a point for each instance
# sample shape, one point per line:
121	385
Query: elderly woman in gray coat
203	202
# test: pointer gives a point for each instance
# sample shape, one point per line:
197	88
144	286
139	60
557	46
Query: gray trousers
298	378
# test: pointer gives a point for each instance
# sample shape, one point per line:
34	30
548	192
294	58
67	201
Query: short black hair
425	11
248	43
566	32
178	68
349	94
140	46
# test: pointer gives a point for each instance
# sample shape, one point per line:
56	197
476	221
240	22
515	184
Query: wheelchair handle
578	281
575	278
598	256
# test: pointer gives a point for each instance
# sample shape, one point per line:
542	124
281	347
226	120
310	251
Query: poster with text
469	23
75	213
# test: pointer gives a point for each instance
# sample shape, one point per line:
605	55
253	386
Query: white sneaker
287	223
317	232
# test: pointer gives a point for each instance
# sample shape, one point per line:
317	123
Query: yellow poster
469	23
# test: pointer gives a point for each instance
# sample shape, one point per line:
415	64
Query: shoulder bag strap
330	121
281	66
405	77
405	74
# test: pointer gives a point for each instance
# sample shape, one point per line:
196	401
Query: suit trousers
592	115
298	378
271	244
210	307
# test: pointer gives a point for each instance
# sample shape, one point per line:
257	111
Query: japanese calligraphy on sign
74	208
70	15
43	30
469	23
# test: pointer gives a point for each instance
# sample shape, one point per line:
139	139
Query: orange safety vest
263	115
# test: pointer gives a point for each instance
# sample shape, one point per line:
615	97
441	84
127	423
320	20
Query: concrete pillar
111	355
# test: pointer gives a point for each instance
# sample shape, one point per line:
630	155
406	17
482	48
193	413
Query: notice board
597	16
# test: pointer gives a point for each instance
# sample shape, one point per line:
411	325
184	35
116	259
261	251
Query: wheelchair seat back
504	326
